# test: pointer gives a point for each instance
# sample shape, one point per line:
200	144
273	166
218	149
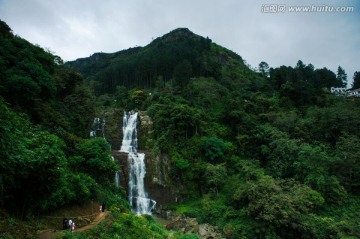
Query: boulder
190	225
207	231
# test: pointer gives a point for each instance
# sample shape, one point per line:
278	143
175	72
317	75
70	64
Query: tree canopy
269	154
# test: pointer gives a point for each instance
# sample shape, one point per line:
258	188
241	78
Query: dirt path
53	234
101	216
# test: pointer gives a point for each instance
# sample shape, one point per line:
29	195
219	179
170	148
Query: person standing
103	207
65	223
73	227
70	224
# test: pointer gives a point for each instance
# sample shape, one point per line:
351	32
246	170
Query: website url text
282	8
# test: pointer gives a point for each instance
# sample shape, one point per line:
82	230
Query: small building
340	91
353	93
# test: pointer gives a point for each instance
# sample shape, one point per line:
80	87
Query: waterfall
129	142
98	127
117	179
138	199
117	176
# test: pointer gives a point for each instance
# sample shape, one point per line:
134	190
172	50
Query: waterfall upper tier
129	142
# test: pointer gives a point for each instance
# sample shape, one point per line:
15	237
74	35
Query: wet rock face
113	127
157	179
144	129
122	159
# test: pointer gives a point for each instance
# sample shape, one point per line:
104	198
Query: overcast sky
78	28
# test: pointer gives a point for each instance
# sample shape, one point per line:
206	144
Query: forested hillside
268	154
47	159
259	154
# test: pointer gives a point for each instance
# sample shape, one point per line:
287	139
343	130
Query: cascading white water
129	142
117	179
138	199
98	126
117	176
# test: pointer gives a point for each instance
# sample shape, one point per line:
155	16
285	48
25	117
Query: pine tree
356	82
341	76
264	68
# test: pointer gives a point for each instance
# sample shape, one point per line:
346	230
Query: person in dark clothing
65	223
103	207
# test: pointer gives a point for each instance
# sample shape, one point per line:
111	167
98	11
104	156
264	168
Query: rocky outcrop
144	129
157	180
122	159
158	169
113	127
207	231
190	225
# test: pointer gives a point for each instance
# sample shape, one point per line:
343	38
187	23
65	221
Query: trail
53	234
100	217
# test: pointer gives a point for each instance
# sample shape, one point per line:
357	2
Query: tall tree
342	76
264	68
300	65
356	80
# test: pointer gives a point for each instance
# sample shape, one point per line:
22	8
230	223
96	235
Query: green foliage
36	173
127	226
264	68
329	123
94	159
180	163
34	81
174	58
214	147
137	99
189	236
5	30
312	168
215	176
121	96
302	85
27	72
258	155
321	227
341	76
280	151
34	169
347	168
174	120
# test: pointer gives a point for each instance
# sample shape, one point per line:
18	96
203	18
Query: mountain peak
177	34
181	31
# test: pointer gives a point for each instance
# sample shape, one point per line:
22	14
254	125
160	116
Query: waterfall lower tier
138	199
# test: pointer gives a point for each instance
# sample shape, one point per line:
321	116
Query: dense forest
267	153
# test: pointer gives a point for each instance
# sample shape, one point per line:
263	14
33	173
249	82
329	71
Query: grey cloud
78	28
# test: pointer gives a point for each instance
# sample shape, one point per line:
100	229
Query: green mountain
268	154
175	57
